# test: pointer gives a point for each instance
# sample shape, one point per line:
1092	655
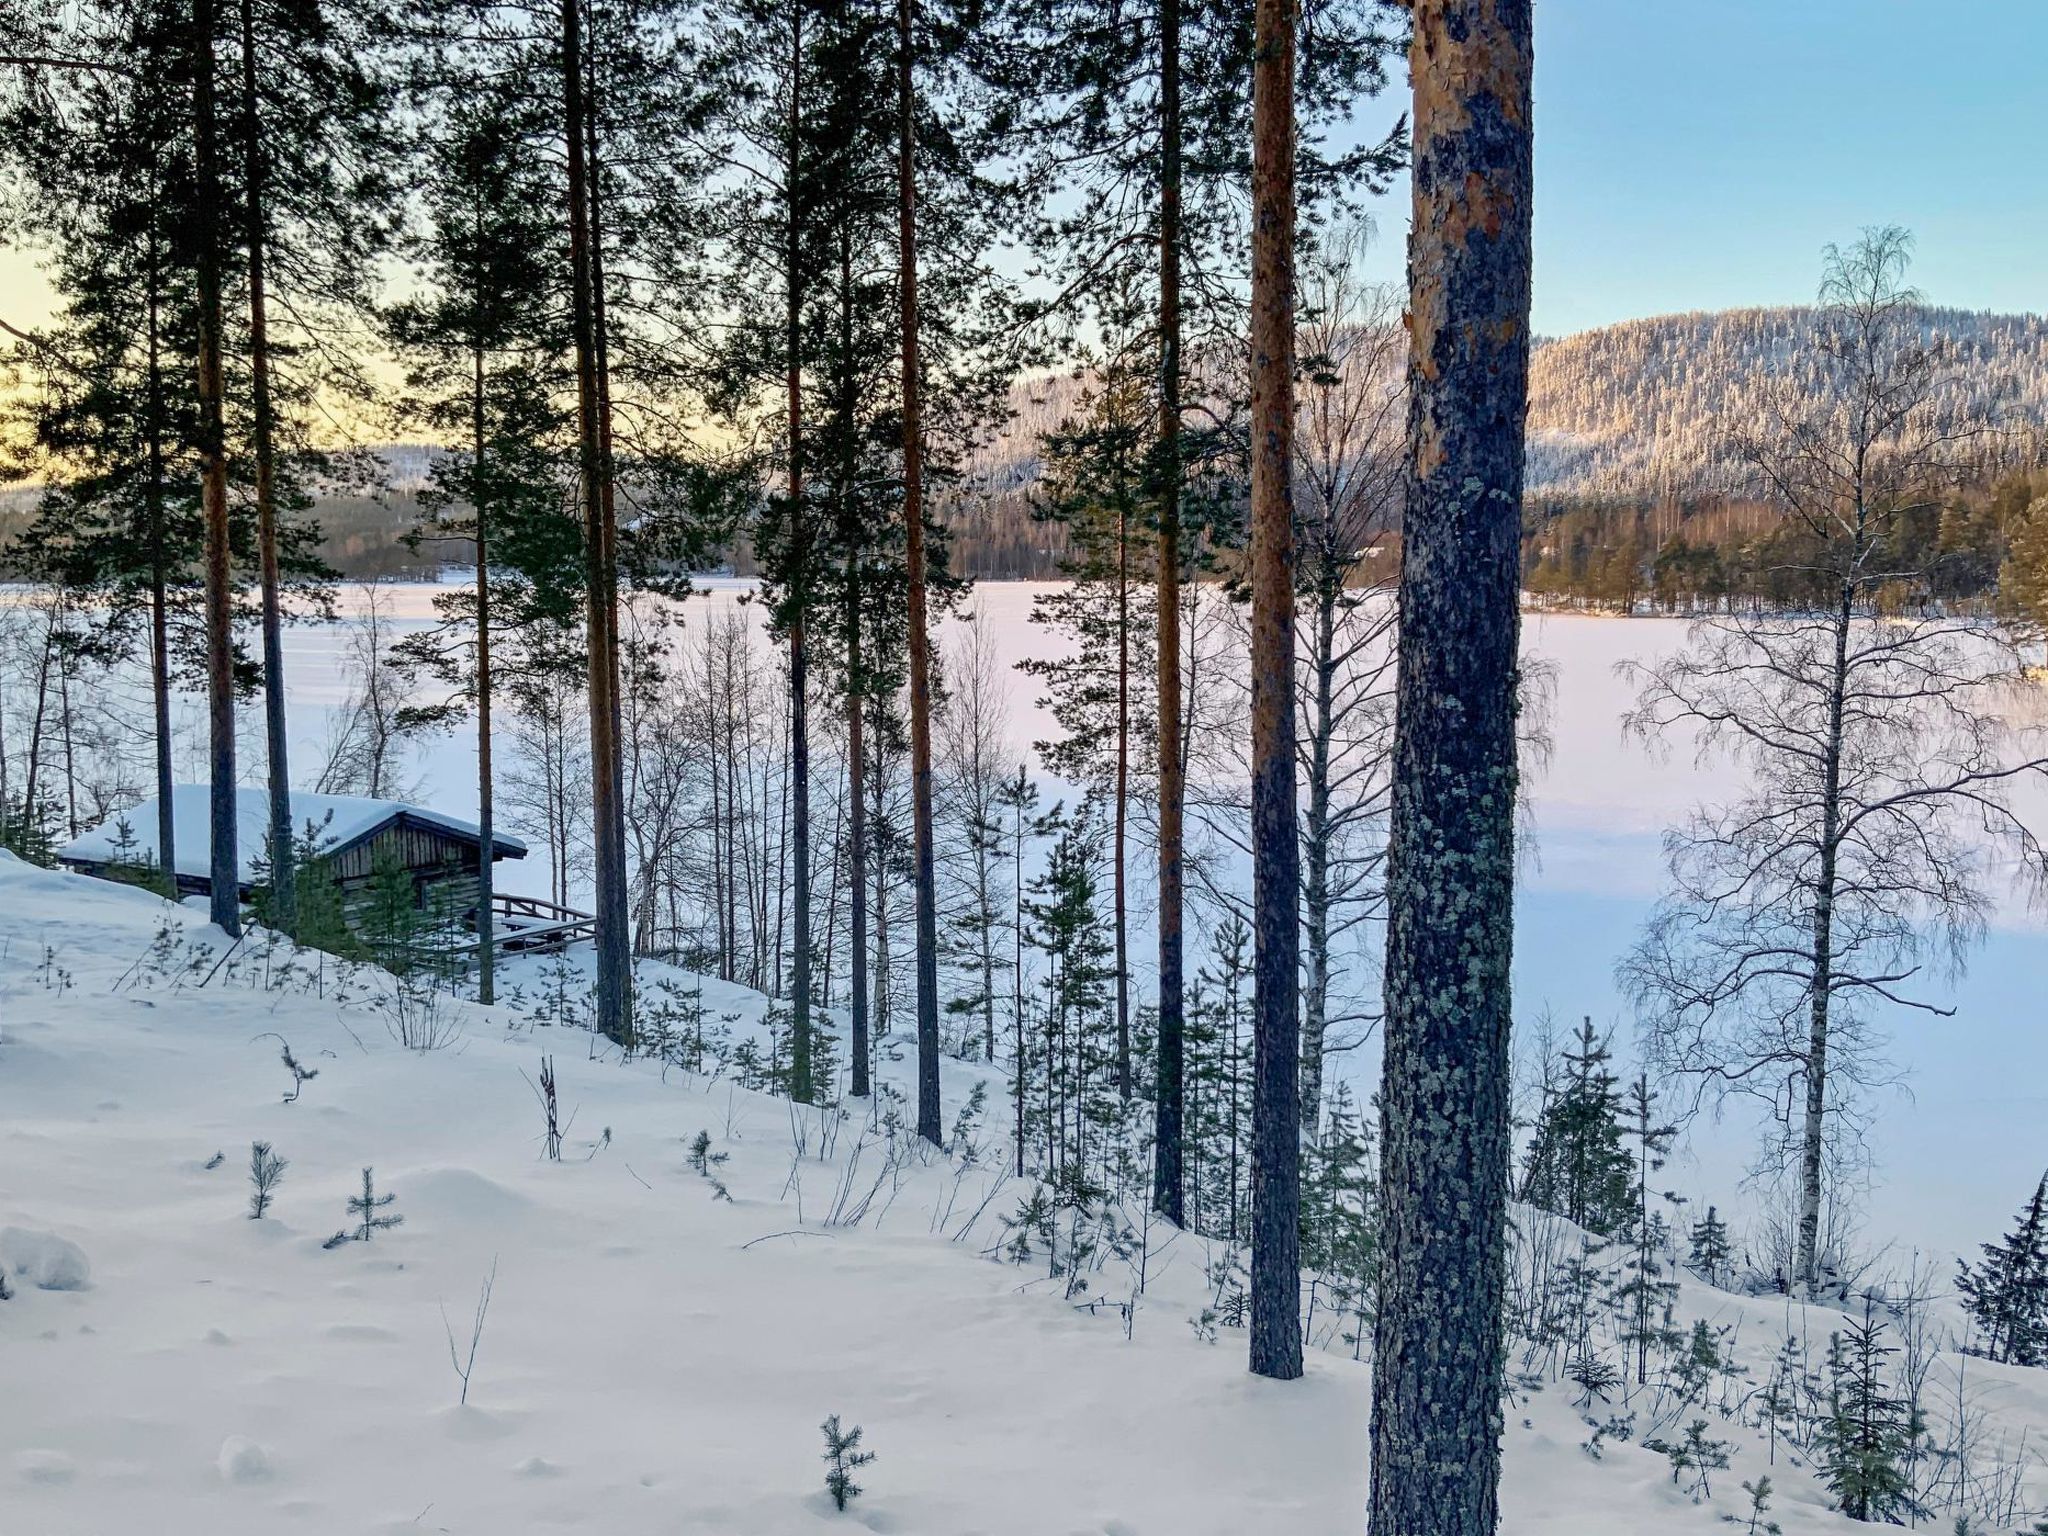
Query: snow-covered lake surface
1958	1146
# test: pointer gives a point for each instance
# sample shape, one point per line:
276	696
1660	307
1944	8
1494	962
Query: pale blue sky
1697	154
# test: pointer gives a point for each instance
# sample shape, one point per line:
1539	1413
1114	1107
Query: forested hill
1638	411
1644	408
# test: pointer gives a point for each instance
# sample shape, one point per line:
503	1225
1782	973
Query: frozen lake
1957	1148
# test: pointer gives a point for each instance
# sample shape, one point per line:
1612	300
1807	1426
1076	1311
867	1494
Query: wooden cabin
357	839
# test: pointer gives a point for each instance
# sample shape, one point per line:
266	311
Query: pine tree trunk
1123	796
223	861
857	834
283	881
1017	975
486	874
159	596
856	686
613	1001
929	1124
1438	1363
1170	1069
801	1087
1276	850
1315	893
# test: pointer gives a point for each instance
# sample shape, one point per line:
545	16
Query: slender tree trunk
613	996
1820	996
486	875
32	791
1315	1011
879	1012
1124	1084
986	939
1439	1358
929	1125
1017	972
224	857
1276	851
856	686
801	1087
1170	1073
263	424
159	595
857	835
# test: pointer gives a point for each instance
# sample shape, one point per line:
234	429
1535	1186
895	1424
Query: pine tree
843	1457
1095	479
1709	1249
368	1208
1076	1106
1276	847
2006	1292
482	342
266	1172
1339	1215
311	116
1445	1135
1577	1167
108	155
1645	1293
1869	1433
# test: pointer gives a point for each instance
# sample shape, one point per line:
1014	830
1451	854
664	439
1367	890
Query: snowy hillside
656	1357
1646	407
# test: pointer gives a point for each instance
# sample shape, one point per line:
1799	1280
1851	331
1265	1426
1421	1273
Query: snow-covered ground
654	1358
1956	1149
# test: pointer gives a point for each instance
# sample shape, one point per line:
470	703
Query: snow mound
45	1260
461	1195
38	1466
242	1460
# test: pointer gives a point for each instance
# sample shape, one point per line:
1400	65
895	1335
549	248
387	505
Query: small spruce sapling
843	1457
301	1075
1709	1249
703	1161
1759	1506
266	1172
366	1207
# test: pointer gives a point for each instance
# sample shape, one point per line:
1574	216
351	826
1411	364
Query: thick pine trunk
929	1125
223	863
1438	1361
283	878
613	994
1170	1068
1276	850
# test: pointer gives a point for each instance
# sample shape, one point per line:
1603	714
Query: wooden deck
529	925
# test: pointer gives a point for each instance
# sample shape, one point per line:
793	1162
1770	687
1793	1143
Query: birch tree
1854	871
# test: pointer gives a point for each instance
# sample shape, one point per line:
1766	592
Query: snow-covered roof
341	820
